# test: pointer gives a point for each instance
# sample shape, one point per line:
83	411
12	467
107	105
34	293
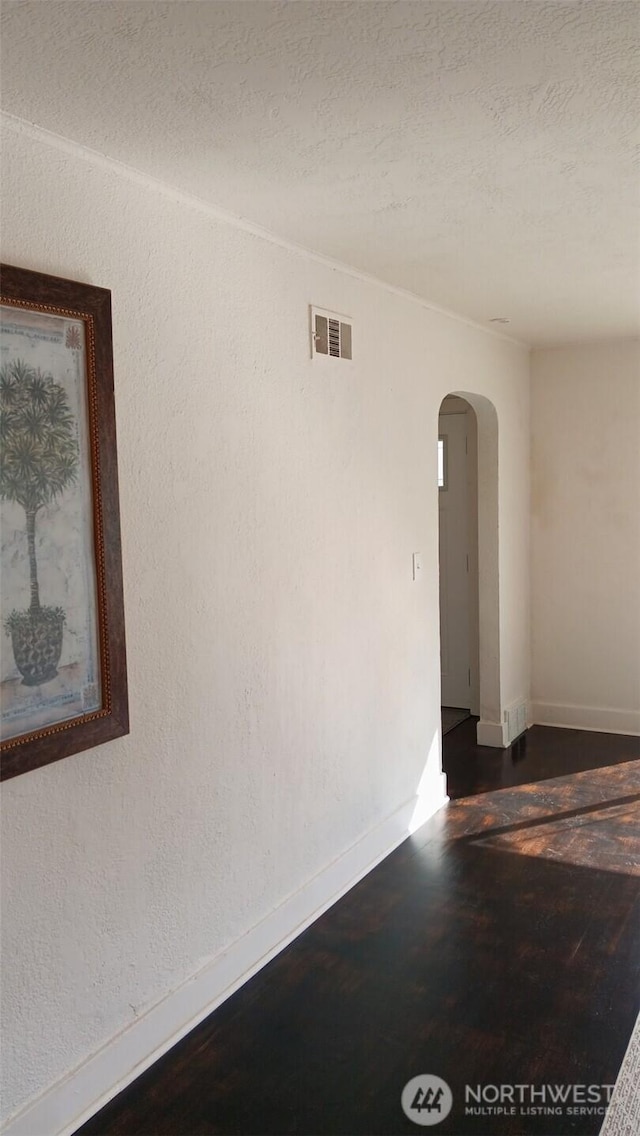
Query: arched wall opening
485	642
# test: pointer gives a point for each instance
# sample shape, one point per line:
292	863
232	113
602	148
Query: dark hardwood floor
542	752
499	945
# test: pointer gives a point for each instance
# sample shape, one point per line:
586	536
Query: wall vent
516	721
330	335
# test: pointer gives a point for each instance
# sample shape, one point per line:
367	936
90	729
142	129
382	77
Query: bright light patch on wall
429	792
331	335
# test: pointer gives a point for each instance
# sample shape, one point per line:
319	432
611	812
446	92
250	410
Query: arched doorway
469	563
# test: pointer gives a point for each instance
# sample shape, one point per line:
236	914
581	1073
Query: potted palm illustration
38	460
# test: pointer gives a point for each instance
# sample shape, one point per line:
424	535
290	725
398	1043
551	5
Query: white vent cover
330	335
516	721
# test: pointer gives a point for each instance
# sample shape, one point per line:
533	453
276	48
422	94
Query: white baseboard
67	1104
601	720
492	734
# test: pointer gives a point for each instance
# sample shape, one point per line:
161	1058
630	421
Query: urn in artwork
36	638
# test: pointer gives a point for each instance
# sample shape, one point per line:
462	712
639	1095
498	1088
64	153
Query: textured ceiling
478	154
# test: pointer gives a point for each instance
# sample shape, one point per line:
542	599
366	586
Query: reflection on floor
499	945
590	819
610	838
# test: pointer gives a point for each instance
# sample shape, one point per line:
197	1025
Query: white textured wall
586	536
283	667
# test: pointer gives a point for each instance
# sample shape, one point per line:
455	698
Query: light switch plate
417	565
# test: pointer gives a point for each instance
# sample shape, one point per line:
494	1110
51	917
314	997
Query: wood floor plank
467	953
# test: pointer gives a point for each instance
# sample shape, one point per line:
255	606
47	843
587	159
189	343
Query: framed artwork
63	680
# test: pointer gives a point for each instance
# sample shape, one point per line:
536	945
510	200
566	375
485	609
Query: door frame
456	423
490	730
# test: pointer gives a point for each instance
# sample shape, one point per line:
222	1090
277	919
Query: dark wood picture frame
51	296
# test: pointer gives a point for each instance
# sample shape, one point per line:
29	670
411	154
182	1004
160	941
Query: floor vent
330	335
516	721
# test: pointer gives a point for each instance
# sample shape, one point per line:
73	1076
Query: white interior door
454	561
